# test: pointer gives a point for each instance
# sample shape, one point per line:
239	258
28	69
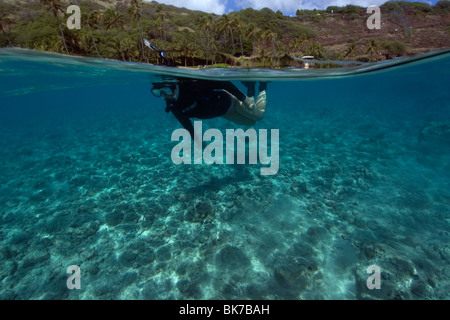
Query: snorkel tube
169	62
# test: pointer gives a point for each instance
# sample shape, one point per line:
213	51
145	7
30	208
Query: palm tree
207	24
372	47
96	20
135	12
297	44
160	29
136	3
86	43
268	37
117	49
56	6
226	25
185	44
261	51
87	22
129	49
239	28
214	48
315	49
351	49
196	51
264	60
74	42
253	33
162	14
271	36
50	44
113	18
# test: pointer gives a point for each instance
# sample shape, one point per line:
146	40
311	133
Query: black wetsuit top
202	99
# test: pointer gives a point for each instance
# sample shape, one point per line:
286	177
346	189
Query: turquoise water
86	179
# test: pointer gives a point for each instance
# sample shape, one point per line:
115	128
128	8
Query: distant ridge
244	38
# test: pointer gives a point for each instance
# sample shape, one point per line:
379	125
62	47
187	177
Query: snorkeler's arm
185	121
231	88
187	124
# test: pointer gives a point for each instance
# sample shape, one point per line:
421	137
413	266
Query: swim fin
169	62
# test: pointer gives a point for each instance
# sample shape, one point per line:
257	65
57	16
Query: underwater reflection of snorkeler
206	99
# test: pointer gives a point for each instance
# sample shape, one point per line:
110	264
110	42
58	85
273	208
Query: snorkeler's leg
249	110
262	86
250	85
237	116
261	100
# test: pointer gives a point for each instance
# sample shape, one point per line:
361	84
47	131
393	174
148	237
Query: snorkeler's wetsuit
202	99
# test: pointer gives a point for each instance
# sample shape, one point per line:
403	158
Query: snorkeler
206	99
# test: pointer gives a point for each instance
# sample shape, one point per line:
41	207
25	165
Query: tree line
190	38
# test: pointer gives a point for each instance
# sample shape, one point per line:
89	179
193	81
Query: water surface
86	179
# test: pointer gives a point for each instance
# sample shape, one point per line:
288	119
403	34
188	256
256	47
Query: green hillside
114	30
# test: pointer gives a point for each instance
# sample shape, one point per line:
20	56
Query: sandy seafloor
86	179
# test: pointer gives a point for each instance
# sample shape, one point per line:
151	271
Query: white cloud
282	5
290	6
342	3
213	6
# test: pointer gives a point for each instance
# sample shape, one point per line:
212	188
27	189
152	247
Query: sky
288	7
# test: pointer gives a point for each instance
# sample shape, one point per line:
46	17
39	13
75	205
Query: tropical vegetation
191	38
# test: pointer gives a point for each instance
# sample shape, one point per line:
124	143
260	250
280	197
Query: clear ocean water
86	179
